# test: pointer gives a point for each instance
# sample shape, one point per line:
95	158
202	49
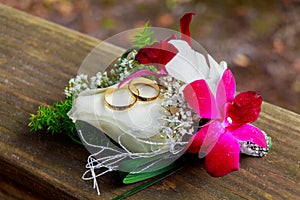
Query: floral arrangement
157	104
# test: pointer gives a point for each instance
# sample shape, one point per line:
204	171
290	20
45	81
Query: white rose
141	122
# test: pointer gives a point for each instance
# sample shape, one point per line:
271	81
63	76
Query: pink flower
225	136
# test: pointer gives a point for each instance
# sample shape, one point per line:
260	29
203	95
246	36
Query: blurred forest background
260	40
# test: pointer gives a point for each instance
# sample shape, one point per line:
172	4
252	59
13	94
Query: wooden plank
37	58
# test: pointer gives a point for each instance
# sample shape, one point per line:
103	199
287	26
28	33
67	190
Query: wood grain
37	58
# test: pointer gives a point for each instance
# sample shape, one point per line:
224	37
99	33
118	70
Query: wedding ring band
132	92
140	82
109	96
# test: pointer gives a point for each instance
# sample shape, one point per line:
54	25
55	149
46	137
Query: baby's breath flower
76	85
180	123
96	81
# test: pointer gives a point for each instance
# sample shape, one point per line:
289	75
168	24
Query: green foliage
143	37
53	119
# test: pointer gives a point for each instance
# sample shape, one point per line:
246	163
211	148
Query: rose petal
185	27
226	90
200	98
248	132
224	157
138	122
246	108
159	54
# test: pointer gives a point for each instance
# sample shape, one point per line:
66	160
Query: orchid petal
226	90
188	65
248	132
205	139
214	131
197	140
172	37
185	27
215	73
158	54
224	157
246	108
200	98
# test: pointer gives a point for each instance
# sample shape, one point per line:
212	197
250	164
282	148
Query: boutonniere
154	107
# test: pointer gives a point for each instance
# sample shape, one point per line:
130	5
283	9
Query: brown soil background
259	39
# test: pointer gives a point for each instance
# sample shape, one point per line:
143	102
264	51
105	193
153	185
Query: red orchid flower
221	138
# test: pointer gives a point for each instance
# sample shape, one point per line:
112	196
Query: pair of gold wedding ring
137	89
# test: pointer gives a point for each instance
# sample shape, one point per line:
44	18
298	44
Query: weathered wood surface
37	58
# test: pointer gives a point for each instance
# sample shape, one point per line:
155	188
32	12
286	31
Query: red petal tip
185	27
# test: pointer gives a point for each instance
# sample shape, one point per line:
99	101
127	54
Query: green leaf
128	167
143	37
133	178
137	164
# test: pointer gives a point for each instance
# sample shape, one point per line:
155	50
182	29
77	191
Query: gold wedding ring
141	87
114	96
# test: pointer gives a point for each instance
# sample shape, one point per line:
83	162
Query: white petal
188	65
215	74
